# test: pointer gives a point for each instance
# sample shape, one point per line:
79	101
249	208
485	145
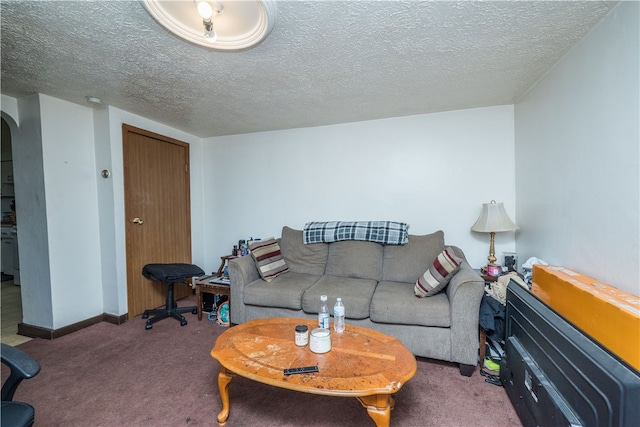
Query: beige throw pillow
438	275
268	258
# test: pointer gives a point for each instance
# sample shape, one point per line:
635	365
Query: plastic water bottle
338	316
323	314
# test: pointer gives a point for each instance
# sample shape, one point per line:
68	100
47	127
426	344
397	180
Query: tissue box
607	314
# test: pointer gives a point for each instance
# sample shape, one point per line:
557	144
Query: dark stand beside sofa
376	283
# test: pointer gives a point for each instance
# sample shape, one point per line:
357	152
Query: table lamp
493	219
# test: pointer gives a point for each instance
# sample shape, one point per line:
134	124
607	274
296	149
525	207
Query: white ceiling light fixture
93	100
209	9
215	24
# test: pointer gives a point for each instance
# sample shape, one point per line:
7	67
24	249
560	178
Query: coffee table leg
224	378
379	408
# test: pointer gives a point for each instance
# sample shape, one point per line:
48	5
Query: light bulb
207	10
204	9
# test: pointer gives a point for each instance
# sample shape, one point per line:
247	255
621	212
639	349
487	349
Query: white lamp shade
493	219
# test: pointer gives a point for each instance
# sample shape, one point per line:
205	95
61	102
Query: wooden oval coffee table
362	363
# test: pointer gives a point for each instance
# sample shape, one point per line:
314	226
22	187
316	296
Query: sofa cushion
284	291
268	258
407	263
394	302
356	295
301	258
438	275
355	259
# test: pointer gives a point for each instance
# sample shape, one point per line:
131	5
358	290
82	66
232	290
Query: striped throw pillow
438	275
268	258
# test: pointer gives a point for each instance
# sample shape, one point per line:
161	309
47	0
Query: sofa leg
467	370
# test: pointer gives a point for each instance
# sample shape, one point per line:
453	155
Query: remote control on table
303	370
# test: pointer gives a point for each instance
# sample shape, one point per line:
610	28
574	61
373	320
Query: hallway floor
11	314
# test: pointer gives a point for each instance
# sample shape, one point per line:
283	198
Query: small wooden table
261	349
204	286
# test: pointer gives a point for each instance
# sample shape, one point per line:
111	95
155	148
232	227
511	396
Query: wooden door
157	212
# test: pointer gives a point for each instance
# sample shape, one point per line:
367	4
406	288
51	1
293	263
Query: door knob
137	220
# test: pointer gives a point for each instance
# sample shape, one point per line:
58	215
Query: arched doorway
11	289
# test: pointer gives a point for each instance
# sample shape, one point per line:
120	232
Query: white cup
320	340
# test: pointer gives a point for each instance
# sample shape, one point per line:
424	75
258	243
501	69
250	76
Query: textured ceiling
325	62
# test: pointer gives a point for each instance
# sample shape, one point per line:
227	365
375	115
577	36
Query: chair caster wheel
194	311
148	326
175	305
145	316
183	322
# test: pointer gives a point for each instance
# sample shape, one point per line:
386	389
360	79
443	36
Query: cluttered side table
492	316
216	284
210	285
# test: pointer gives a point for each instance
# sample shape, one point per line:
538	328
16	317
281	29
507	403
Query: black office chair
23	367
170	274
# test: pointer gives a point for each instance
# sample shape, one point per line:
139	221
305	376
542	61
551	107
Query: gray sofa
376	283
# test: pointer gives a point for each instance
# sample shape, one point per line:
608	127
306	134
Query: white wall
72	211
433	171
577	156
112	296
31	212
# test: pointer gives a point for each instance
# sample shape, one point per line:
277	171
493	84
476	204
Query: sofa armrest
465	294
242	271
